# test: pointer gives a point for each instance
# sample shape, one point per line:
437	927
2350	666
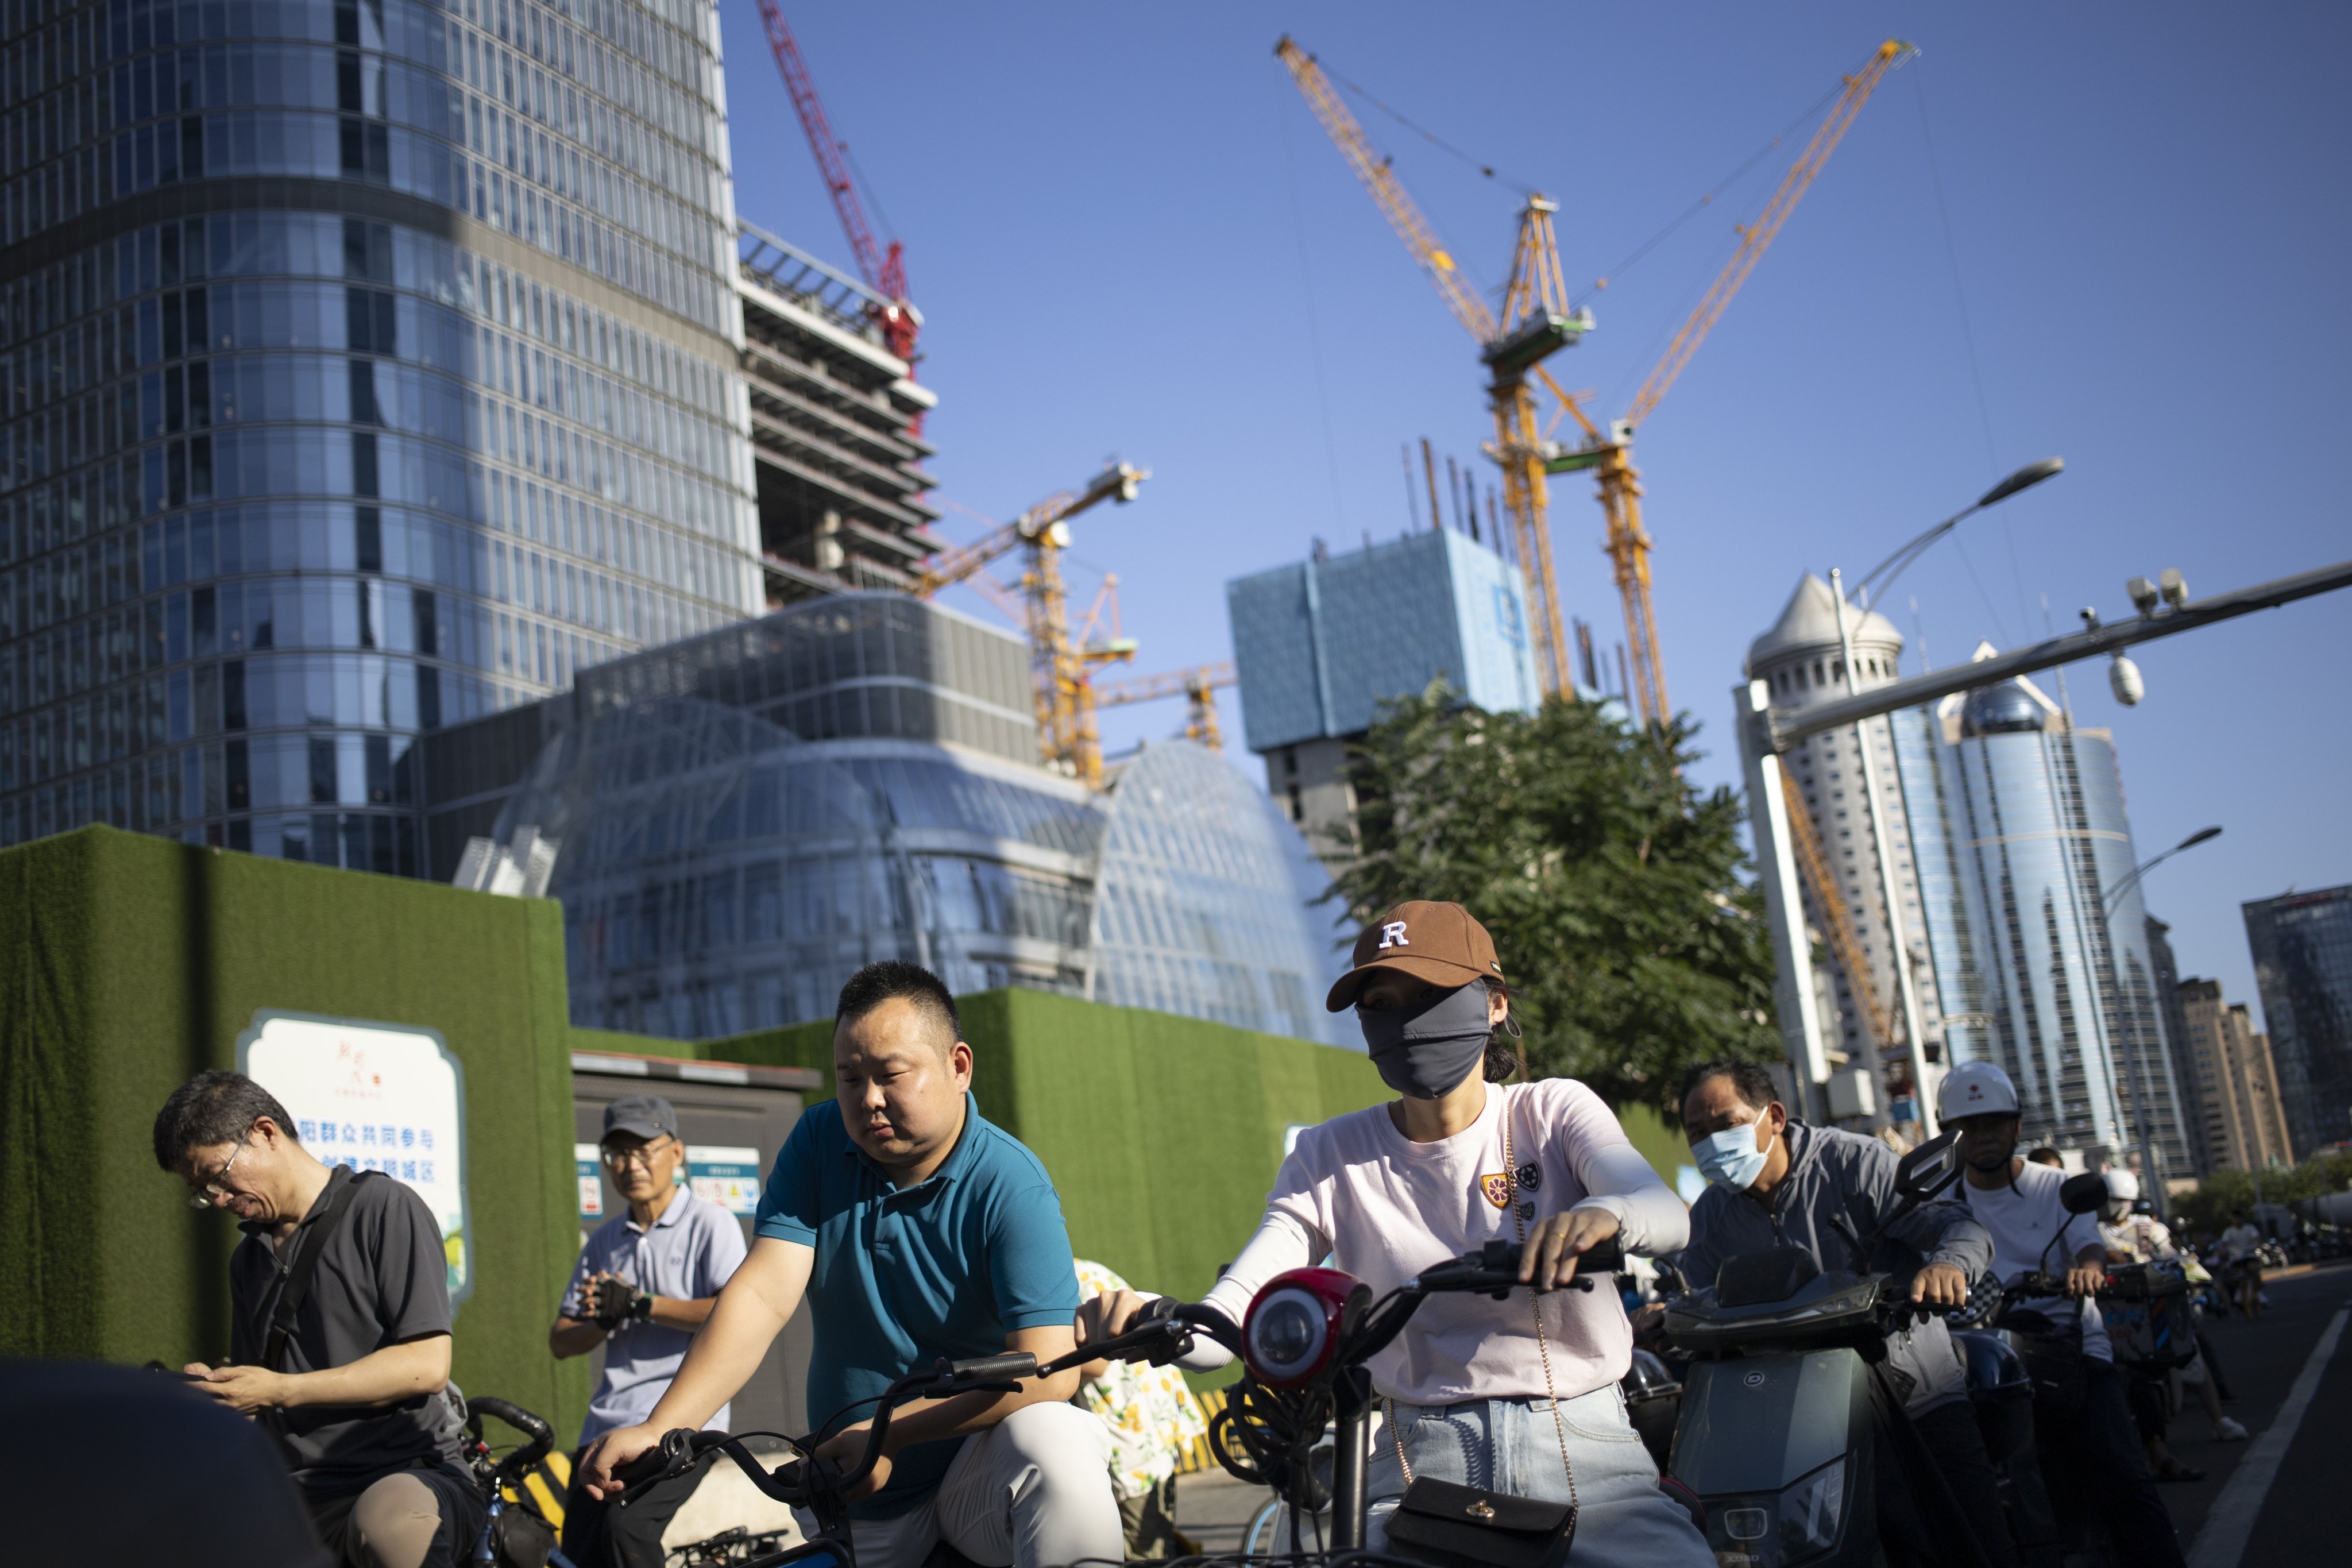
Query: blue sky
1128	236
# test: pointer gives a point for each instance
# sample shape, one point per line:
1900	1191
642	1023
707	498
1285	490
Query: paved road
2286	1508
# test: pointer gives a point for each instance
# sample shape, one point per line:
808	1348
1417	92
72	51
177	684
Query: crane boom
1404	216
1611	457
1118	482
1198	687
1756	237
885	272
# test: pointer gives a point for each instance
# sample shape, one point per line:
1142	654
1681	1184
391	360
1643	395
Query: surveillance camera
2143	594
2174	587
2123	680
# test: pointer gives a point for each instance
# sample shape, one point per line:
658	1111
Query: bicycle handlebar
788	1484
541	1435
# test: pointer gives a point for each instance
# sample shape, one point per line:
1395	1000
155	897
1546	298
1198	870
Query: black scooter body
1777	1434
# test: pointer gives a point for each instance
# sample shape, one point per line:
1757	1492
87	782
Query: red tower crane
885	272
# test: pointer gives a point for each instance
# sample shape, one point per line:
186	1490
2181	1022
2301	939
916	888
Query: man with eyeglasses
339	1341
644	1283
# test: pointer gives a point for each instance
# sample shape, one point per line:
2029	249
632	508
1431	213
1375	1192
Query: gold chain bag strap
1451	1526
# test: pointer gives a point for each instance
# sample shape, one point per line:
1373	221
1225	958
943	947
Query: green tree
1612	888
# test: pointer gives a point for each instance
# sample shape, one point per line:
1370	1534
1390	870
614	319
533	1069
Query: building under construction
834	422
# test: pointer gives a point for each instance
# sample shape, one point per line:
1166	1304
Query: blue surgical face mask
1731	1156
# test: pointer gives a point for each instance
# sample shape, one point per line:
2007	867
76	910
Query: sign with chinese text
374	1097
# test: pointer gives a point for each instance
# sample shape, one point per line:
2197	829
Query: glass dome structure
719	873
2004	709
1205	903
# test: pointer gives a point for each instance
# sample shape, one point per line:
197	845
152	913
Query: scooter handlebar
1494	1268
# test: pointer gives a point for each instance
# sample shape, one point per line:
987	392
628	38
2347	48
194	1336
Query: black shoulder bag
1450	1526
295	1290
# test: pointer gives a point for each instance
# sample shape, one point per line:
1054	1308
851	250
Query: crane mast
1536	323
1059	664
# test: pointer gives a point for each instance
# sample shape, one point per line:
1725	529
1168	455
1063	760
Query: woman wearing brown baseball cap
1519	1395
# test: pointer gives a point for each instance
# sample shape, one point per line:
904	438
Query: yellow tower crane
1536	323
1058	664
1198	687
1610	454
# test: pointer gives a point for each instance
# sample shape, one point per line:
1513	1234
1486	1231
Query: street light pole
1897	942
2145	867
1764	735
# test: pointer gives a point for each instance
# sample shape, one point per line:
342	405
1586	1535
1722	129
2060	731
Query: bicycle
505	1540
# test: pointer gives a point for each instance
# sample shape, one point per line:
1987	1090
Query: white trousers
1031	1491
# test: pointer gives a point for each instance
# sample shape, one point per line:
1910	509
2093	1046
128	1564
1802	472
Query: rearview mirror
1930	1168
2084	1194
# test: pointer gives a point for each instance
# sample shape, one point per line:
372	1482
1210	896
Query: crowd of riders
913	1229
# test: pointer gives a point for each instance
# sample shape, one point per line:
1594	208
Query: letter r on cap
1393	935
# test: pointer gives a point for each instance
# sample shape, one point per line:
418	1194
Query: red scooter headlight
1296	1322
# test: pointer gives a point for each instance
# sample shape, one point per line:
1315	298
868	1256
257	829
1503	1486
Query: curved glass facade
365	365
718	873
1204	902
2059	969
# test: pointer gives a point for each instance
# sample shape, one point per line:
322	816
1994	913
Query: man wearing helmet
2082	1426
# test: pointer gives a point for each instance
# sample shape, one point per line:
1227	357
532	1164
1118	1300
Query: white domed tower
1800	660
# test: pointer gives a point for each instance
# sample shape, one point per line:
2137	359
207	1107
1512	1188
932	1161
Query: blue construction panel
1322	644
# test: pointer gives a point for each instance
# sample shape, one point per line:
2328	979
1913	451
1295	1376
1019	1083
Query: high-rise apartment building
2236	1112
369	366
1800	659
2164	976
1322	644
2302	946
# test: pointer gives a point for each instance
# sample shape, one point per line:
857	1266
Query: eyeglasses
212	1190
642	1156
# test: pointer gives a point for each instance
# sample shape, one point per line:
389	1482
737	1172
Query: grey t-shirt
381	1279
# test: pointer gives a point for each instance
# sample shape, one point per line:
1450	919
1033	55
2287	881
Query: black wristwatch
642	1309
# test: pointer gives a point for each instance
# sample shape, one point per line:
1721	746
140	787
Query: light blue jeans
1511	1446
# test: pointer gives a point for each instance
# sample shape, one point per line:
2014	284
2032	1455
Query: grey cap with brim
648	1116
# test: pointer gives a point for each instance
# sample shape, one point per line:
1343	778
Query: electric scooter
1777	1434
1303	1345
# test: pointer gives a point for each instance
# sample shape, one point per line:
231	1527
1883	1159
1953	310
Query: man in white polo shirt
2089	1447
644	1283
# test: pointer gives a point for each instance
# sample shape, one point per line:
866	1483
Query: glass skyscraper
2051	963
2302	946
369	366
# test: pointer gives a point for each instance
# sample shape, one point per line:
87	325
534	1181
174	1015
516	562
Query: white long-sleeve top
1384	1208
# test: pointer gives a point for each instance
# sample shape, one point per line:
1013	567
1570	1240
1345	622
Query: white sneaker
2228	1431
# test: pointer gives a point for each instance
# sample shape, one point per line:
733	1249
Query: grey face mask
1423	1050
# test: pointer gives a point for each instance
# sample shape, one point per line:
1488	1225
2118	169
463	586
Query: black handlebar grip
1603	1257
994	1368
516	1417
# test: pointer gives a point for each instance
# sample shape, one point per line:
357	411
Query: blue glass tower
2302	946
2055	956
369	365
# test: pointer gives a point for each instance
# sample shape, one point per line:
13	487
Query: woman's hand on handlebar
1940	1285
612	1452
845	1450
1548	1260
1110	1314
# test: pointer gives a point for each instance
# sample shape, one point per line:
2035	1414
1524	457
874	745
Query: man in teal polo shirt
916	1230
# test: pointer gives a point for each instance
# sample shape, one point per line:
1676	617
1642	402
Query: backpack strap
295	1290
